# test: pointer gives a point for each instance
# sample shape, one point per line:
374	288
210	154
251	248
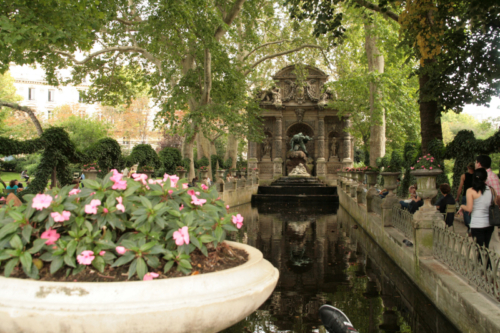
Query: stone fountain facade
293	107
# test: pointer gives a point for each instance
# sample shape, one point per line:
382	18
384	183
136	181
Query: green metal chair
6	191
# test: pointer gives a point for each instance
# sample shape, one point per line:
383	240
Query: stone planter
90	175
371	177
426	184
200	303
390	181
181	174
220	175
203	174
361	177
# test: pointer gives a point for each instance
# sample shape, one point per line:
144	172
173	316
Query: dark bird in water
334	320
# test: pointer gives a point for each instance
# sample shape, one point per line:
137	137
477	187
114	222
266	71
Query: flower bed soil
221	258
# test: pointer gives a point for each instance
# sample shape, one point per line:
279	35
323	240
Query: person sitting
405	204
20	187
195	180
13	185
446	200
24	175
383	193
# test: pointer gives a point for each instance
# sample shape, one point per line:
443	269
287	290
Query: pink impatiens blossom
85	258
181	207
227	207
92	207
185	186
192	192
61	217
170	192
150	276
120	206
197	202
120	249
120	185
140	177
50	235
105	210
173	180
439	166
102	253
204	187
430	168
238	220
181	236
41	201
116	176
412	168
74	191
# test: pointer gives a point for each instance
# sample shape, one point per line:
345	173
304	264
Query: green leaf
126	258
71	248
90	183
132	269
168	266
16	216
157	249
27	232
195	241
8	229
69	260
186	264
99	263
206	238
4	255
174	213
145	201
78	269
106	244
10	266
26	261
56	264
152	261
147	246
16	242
142	268
37	245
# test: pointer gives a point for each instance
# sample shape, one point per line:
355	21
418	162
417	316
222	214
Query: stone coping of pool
201	303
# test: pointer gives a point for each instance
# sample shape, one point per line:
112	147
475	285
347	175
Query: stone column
252	155
347	142
321	162
278	161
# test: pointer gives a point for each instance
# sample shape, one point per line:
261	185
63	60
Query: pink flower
173	180
140	177
116	176
439	166
150	276
181	236
170	192
120	206
61	217
50	235
196	201
120	185
227	207
41	201
85	258
105	210
192	192
120	249
102	253
181	207
185	186
92	207
238	220
430	168
204	187
92	193
423	166
74	191
412	168
2	198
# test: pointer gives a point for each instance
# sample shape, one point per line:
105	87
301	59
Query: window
126	141
31	94
81	97
51	95
49	114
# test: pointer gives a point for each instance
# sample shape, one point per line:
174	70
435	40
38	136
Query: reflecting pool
323	257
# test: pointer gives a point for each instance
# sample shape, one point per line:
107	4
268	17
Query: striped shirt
493	181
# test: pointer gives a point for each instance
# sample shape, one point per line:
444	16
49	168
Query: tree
454	41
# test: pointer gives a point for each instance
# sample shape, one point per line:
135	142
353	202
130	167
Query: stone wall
470	310
238	192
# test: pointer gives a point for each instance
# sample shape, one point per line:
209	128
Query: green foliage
410	154
84	132
186	163
144	155
9	166
227	164
214	159
170	158
142	222
201	162
107	153
438	150
359	155
396	163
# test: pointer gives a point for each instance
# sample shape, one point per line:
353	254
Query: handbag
494	210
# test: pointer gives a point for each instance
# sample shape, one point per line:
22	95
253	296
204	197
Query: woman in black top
465	184
445	201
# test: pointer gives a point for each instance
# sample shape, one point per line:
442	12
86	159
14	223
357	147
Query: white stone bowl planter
201	303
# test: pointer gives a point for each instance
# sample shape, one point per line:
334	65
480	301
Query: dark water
324	258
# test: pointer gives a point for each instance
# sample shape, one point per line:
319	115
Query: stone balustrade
237	191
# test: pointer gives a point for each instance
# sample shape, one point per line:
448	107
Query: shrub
396	163
143	154
227	163
170	159
151	227
202	162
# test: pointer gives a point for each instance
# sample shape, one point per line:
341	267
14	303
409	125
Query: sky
482	112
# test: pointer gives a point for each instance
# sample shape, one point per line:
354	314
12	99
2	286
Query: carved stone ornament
300	114
325	97
313	90
289	90
300	170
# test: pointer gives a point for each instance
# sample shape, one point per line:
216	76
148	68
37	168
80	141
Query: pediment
288	73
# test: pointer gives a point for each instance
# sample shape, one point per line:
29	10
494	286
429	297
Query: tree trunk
232	149
377	114
28	110
187	152
430	123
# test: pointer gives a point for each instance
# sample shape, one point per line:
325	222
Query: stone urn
426	184
203	303
220	175
361	177
203	174
90	175
371	177
181	173
390	181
